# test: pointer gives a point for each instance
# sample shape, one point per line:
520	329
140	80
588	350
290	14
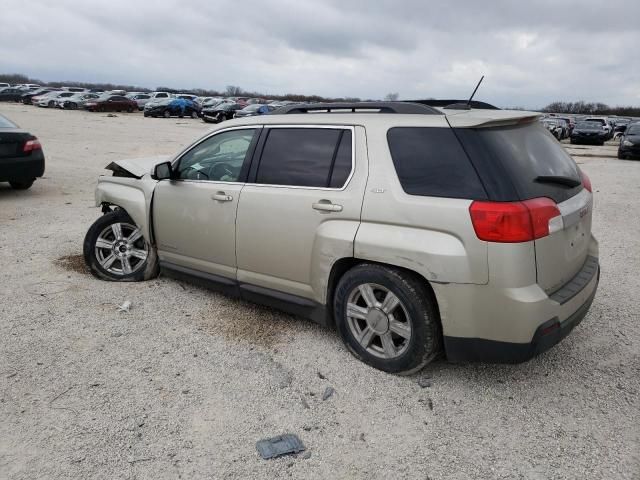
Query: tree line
591	108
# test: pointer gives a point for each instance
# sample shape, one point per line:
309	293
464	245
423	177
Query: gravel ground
185	383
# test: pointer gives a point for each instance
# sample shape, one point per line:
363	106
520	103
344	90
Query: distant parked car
49	100
588	132
630	142
27	97
75	89
21	157
554	126
255	109
76	101
111	103
159	96
141	99
221	112
604	123
620	127
10	94
173	107
4	85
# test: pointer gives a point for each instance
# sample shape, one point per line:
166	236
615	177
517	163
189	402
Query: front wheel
167	114
114	249
194	114
387	318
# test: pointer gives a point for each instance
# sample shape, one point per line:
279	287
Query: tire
194	114
130	110
572	141
621	156
51	104
167	114
415	316
98	258
22	184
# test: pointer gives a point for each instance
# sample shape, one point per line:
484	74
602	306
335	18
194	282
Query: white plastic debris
125	307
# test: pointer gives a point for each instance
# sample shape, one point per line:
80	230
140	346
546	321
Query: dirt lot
184	384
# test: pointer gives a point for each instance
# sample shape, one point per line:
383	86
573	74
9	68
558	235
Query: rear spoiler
488	118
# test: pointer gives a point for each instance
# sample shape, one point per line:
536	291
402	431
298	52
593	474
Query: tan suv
411	229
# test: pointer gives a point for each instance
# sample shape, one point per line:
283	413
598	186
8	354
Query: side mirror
163	171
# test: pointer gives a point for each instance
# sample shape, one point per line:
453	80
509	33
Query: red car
111	103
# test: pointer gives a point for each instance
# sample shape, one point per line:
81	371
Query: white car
49	100
75	101
140	98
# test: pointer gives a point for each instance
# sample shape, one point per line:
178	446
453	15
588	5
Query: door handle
221	197
327	206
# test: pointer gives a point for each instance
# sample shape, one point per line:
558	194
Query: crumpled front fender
132	195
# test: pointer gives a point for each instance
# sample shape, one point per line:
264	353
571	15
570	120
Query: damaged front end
130	188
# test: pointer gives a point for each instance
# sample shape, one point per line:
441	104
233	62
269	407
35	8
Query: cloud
531	52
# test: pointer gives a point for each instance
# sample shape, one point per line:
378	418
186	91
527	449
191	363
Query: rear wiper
560	180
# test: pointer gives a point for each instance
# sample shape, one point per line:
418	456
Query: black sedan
588	132
11	94
221	112
21	157
630	142
172	107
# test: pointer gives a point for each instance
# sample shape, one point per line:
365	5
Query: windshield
598	120
633	130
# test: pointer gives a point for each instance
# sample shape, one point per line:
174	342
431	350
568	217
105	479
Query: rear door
300	209
535	165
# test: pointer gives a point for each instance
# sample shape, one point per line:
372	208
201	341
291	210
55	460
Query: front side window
218	159
306	157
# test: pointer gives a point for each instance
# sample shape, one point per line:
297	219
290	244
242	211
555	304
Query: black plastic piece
281	445
451	103
357	107
577	283
550	333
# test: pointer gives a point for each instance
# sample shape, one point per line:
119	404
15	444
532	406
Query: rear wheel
114	249
22	184
51	104
387	318
167	114
130	110
194	114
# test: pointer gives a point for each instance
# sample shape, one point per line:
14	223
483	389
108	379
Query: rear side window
524	158
431	162
306	157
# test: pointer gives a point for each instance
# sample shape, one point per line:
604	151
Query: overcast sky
531	52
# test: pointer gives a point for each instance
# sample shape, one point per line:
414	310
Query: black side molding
292	304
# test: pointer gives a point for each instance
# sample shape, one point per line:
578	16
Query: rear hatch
519	160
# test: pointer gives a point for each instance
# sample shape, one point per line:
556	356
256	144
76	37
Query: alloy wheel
378	320
121	249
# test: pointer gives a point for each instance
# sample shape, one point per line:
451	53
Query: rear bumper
21	168
484	323
547	335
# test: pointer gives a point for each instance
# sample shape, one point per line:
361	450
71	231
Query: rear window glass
431	162
525	153
306	157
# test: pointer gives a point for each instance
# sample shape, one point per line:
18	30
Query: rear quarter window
431	162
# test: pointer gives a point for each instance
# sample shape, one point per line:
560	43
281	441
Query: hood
136	167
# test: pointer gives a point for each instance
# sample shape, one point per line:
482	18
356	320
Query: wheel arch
343	265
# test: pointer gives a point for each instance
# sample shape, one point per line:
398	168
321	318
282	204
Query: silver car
412	230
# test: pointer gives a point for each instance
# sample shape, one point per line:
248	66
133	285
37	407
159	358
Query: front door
194	214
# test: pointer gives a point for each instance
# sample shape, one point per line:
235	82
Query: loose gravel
186	382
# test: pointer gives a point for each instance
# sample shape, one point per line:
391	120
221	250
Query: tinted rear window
431	162
306	157
523	153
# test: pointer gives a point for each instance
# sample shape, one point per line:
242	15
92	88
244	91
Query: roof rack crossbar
378	107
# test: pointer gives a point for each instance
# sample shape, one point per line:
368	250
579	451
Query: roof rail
358	107
456	104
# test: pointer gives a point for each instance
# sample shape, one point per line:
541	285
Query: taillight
512	222
31	145
586	182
